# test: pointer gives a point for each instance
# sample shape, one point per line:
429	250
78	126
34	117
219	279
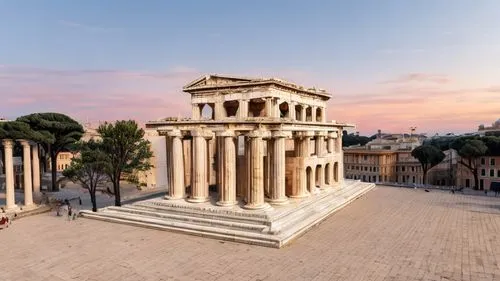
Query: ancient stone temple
257	162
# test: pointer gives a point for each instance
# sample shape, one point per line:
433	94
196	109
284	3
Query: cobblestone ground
389	234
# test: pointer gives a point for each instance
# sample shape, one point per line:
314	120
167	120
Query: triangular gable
209	80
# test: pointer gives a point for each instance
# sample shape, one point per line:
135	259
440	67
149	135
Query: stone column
255	193
243	109
196	111
291	110
269	107
319	143
36	169
313	113
338	143
219	111
227	192
10	197
323	114
303	152
28	192
331	142
177	189
199	182
278	166
303	111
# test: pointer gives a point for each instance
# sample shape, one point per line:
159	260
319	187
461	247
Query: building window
413	179
492	173
413	170
403	169
366	169
498	173
365	157
492	162
483	172
481	184
483	161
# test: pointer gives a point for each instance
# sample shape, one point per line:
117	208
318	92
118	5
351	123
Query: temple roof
215	81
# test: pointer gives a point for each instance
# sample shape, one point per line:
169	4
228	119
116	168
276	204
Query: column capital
202	133
258	134
281	134
305	134
24	142
8	143
225	133
174	133
333	135
320	134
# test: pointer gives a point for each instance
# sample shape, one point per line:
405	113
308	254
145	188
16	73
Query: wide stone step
187	218
193	229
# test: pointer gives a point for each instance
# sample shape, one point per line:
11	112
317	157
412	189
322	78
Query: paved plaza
389	234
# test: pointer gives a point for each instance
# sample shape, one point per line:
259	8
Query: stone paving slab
389	234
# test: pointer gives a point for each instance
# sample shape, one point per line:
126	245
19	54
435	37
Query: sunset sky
390	65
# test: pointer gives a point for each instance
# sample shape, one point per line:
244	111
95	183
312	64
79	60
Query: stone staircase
272	227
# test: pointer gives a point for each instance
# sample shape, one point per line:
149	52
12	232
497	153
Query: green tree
352	139
470	149
88	168
126	149
60	129
428	156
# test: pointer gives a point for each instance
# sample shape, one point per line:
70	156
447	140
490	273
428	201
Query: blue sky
424	56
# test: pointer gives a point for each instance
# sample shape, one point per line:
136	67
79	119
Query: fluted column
10	196
196	111
278	167
303	111
243	109
219	111
227	192
319	142
199	182
36	169
255	193
331	142
28	192
177	188
291	110
313	113
300	190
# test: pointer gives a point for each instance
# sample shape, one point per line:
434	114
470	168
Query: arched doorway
328	174
319	175
336	172
284	110
309	179
319	115
231	107
207	111
309	114
298	113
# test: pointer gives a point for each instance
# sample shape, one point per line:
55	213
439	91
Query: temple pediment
215	80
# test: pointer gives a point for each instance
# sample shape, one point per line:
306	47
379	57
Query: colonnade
252	180
31	183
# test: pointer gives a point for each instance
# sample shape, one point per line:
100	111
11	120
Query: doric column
10	197
227	192
196	111
278	166
36	169
323	114
269	107
243	109
331	142
255	193
177	188
303	111
300	190
338	143
313	113
219	112
28	192
291	110
319	142
199	182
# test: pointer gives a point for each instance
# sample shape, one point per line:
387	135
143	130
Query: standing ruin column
227	192
199	182
36	169
177	188
331	144
10	196
255	193
243	109
278	168
313	113
291	110
303	113
300	190
196	111
28	192
319	142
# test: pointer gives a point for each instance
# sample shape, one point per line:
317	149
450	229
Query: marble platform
274	227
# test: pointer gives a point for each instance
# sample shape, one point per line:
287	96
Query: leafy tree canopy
19	130
428	156
352	139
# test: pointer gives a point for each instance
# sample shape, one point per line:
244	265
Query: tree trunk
53	164
424	178
93	200
116	187
476	181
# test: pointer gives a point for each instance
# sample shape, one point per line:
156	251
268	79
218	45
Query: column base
256	206
279	201
168	197
10	209
226	203
198	200
300	196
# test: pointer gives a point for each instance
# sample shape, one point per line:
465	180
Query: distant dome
497	122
